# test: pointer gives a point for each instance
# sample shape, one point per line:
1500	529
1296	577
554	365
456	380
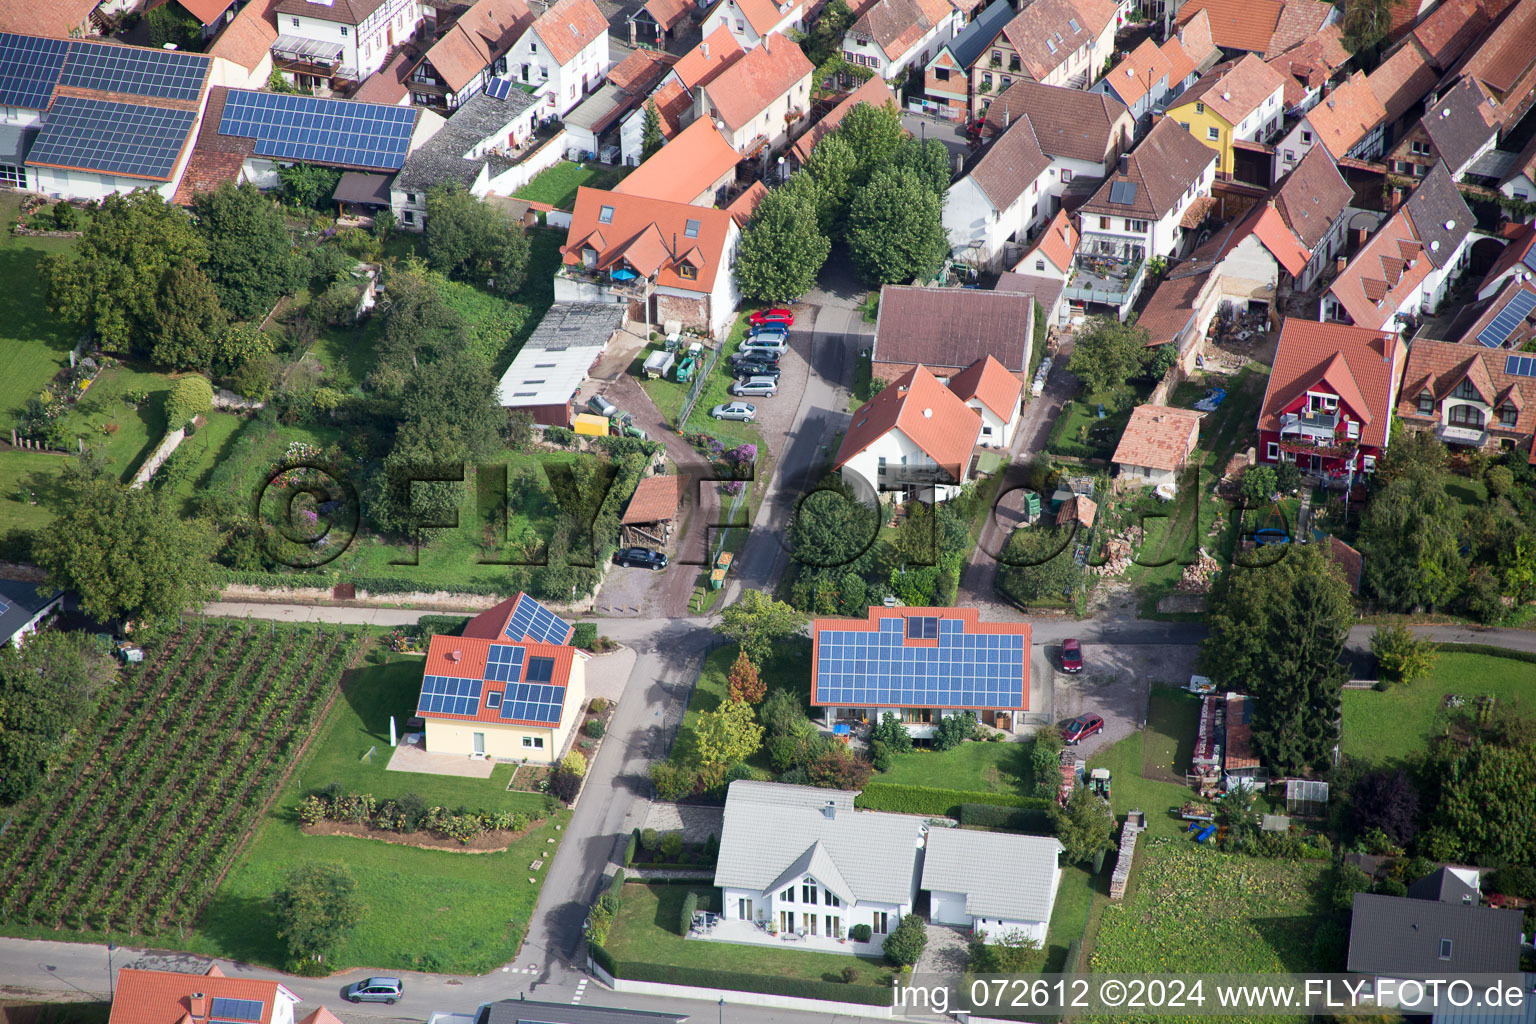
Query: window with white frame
1272	452
1213	133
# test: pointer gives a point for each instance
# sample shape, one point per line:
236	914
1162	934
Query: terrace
1113	280
1318	425
636	288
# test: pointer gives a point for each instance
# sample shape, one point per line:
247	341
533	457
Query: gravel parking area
1114	685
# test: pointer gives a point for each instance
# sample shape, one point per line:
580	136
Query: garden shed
652	512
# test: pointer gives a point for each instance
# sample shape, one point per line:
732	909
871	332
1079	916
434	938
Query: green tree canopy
250	259
459	391
874	134
1107	353
470	241
308	186
833	168
316	906
47	688
1401	657
651	138
895	230
783	248
1277	632
419	328
1085	826
1408	535
930	161
725	736
825	39
757	623
186	320
190	397
110	284
126	553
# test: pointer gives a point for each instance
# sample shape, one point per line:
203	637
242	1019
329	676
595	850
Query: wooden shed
652	512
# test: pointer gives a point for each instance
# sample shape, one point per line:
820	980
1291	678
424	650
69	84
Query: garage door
948	908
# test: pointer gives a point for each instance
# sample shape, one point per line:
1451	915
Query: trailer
658	364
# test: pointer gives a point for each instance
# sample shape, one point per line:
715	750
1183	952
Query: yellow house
511	688
1240	100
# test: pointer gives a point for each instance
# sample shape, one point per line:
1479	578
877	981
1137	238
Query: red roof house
916	436
174	997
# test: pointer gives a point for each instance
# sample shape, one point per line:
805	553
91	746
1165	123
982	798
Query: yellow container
590	425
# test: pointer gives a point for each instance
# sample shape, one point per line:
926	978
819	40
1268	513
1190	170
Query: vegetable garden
133	833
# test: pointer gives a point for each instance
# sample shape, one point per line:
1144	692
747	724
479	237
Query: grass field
33	345
1384	726
669	396
1173	721
645	931
979	767
557	186
423	909
26	481
1130	790
202	452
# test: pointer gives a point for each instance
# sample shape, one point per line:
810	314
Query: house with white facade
892	35
1314	202
1157	443
675	96
1142	210
1458	128
992	883
1000	200
468	54
760	100
912	440
320	41
24	610
1350	122
1519	182
665	260
752	21
1142	79
1083	133
564	55
993	393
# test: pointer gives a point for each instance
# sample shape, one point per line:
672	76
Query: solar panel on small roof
533	702
1529	259
499	88
236	1009
1123	192
29	69
1510	317
446	695
532	621
112	138
162	74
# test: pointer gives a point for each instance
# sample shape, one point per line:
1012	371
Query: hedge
442	625
281	580
885	796
1490	651
1018	819
741	981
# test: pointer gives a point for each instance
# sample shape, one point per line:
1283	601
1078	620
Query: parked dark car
1071	656
375	990
755	359
751	368
1081	727
641	558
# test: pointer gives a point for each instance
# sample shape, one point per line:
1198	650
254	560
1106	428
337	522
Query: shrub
711	847
616	882
649	840
859	933
594	728
562	436
64	219
598	705
849	975
1349	880
1015	819
190	396
574	763
690	906
893	734
672	782
629	847
954	730
1391	887
564	784
671	845
1514	879
905	945
584	636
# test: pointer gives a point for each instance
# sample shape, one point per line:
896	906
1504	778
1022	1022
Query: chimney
830	810
1125	163
704	49
199	1004
1341	263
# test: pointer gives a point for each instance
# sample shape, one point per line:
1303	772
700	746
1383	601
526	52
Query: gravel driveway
1114	685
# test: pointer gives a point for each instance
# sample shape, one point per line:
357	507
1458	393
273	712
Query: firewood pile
1197	578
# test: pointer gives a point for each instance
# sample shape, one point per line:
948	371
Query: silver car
746	412
375	990
764	387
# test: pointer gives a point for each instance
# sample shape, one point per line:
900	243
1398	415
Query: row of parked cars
755	364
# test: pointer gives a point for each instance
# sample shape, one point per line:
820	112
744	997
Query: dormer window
687	272
1426	403
1508	414
1466	390
589	256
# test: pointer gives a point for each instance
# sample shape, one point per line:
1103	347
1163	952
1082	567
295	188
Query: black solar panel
236	1009
499	88
1520	366
1123	192
860	668
533	622
1529	259
1502	326
322	131
162	74
113	138
29	69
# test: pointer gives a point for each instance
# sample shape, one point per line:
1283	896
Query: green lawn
785	671
1173	721
1080	431
27	480
104	419
203	451
1130	790
33	345
423	909
668	396
255	447
979	767
1386	726
646	931
557	186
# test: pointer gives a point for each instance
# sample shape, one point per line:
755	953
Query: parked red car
1081	727
1071	656
772	316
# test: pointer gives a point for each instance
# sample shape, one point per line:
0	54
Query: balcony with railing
1462	433
636	288
1111	280
1317	425
894	475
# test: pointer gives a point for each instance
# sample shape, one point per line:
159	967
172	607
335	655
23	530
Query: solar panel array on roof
533	702
533	622
860	668
1529	259
29	69
504	664
1520	366
498	88
320	130
236	1009
1122	192
1510	317
162	74
445	695
114	138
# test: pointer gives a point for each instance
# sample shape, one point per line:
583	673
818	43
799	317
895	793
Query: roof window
691	229
605	215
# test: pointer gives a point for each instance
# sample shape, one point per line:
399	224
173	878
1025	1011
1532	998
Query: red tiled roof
1439	367
640	71
1194	36
639	235
1158	436
464	657
745	205
1180	64
716	52
1349	560
1357	364
750	85
655	500
1237	24
215	158
480	35
320	1016
1057	243
763	15
896	26
1235	89
989	382
165	997
1346	115
929	414
1504	56
1521	242
668	13
388	84
1171	306
953	327
874	91
206	11
1078	509
248	38
1310	64
568	26
1521	333
1044	20
689	164
1299	20
1374	283
491	624
1263	222
1142	68
1403	79
1449	29
57	18
1163	167
1071	123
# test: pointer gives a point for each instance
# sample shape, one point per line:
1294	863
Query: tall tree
834	168
471	241
1277	632
727	735
745	683
651	138
1085	826
419	328
458	391
825	40
782	249
875	134
1107	353
250	259
895	229
930	161
1408	535
316	906
757	623
1401	657
110	283
48	687
126	553
186	319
